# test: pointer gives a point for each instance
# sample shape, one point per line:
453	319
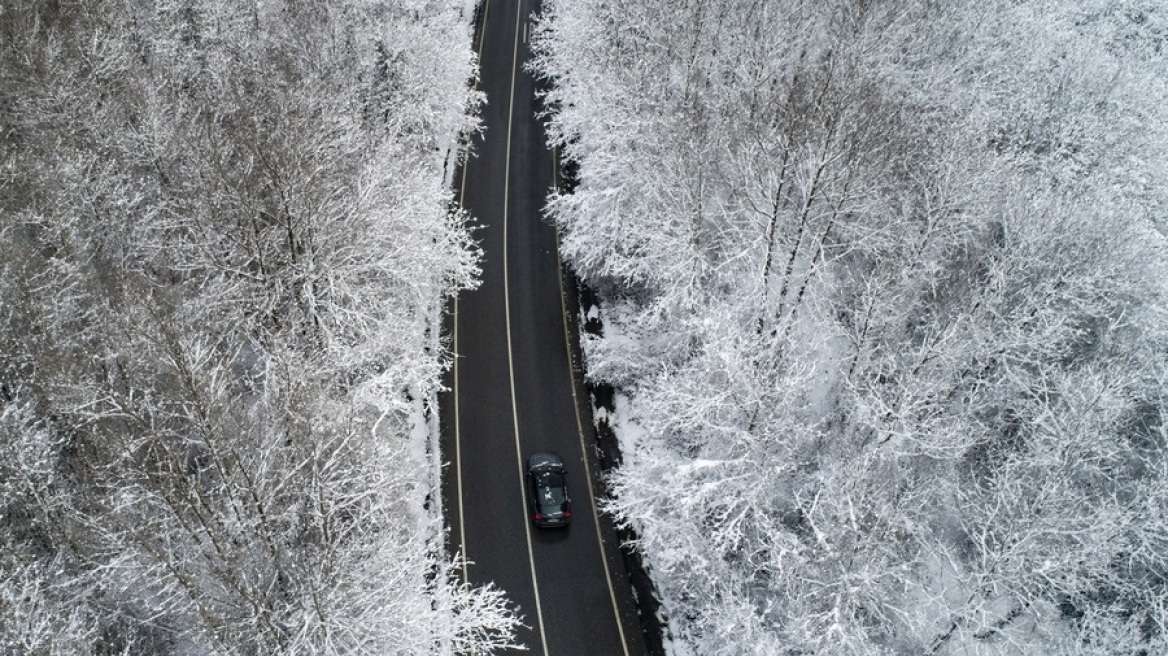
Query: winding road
514	388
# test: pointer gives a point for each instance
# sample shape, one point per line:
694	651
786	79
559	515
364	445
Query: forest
225	244
883	291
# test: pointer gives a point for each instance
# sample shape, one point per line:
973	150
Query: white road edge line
580	432
507	315
454	348
458	447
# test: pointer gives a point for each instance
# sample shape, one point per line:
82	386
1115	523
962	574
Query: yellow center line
507	315
580	432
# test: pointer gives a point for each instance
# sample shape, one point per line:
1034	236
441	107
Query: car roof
544	460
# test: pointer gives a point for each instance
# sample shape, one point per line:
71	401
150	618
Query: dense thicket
224	244
884	292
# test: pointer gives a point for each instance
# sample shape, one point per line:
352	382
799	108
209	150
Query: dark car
547	486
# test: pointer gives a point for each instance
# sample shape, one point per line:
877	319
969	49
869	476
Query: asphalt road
513	386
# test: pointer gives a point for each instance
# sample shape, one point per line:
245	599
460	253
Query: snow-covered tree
883	293
226	243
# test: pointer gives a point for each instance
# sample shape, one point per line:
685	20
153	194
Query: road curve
513	386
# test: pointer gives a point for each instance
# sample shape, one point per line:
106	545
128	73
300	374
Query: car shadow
550	535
